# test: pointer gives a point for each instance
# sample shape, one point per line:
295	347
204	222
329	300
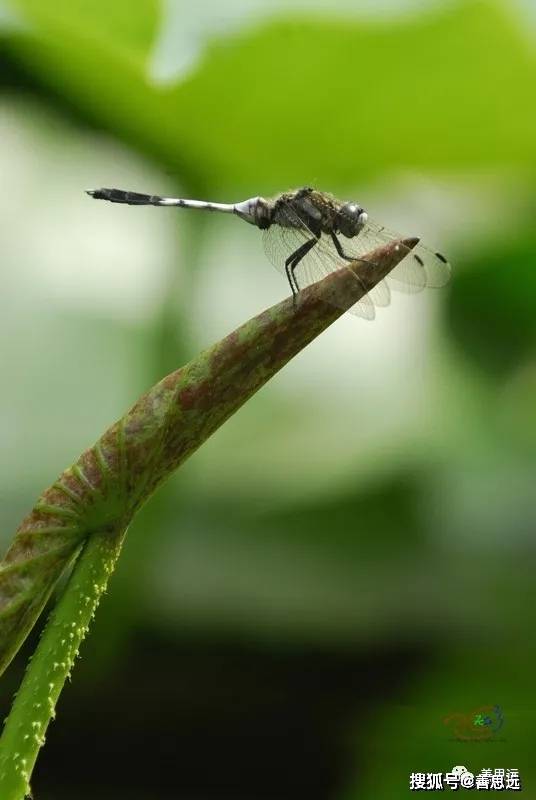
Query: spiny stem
51	664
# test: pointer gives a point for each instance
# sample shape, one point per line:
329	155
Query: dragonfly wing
380	294
281	241
422	267
408	276
436	266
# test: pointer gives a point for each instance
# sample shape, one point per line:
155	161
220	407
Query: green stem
51	664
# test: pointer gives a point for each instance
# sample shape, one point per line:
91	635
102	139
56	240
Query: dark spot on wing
442	258
418	259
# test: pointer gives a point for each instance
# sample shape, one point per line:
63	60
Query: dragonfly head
350	219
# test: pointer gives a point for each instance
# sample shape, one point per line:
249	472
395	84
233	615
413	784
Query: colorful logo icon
482	723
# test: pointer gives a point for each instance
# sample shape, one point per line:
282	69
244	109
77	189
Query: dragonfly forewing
422	268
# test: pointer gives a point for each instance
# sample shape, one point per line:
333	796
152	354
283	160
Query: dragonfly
308	234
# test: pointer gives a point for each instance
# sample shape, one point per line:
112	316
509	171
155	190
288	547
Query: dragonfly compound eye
350	219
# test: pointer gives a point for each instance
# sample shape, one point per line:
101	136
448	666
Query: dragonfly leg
340	251
292	262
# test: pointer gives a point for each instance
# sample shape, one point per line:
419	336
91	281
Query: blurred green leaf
492	305
120	27
300	99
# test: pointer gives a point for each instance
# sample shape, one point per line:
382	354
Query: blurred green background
350	559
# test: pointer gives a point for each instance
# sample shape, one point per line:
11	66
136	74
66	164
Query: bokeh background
351	558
